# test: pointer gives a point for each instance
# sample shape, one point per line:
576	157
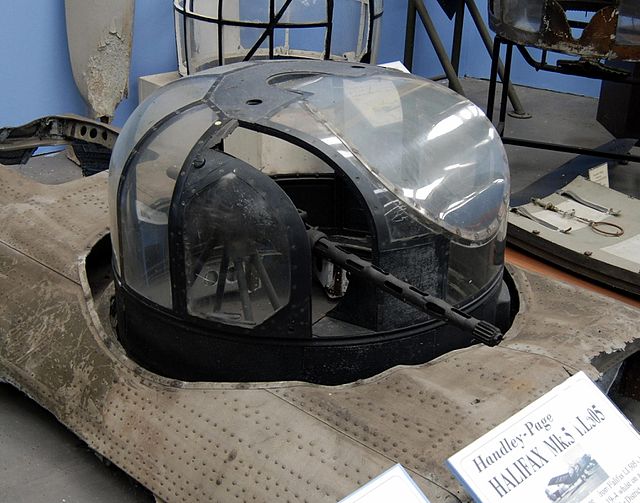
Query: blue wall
36	75
36	79
394	22
154	48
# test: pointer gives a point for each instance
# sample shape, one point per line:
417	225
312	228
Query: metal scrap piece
572	195
100	35
19	142
599	38
522	211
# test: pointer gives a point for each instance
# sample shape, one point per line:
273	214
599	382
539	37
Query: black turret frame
175	344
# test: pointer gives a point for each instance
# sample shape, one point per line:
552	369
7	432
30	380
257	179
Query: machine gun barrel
480	330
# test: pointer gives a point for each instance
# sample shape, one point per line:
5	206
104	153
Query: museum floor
42	462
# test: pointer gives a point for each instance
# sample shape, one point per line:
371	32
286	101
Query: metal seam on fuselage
17	250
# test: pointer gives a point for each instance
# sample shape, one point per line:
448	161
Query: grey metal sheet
100	34
614	260
283	441
45	221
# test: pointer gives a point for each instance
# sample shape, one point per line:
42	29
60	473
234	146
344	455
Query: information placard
395	485
600	174
571	445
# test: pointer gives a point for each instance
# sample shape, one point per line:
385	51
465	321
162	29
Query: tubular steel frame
451	65
522	142
269	27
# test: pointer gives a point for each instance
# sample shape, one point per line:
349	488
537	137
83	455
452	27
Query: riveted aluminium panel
279	441
198	442
613	260
449	403
51	223
420	416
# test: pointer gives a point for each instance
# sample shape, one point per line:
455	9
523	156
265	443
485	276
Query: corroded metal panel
547	25
580	329
557	228
185	442
100	33
267	441
18	143
422	415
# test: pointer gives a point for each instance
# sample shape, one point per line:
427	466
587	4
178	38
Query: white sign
571	445
600	174
627	249
395	485
396	65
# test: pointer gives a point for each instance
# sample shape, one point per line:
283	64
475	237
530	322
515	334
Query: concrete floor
558	118
42	462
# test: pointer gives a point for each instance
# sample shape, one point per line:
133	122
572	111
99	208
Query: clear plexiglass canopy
435	150
426	159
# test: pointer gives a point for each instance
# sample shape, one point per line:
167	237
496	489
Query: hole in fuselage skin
254	101
98	266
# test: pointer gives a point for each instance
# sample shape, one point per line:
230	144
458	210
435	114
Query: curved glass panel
525	15
471	268
157	106
402	223
628	30
272	155
237	262
146	197
433	149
